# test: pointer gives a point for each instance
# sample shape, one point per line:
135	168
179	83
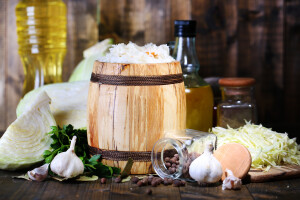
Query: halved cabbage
26	139
84	69
69	102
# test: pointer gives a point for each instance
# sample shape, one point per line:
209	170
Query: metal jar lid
236	82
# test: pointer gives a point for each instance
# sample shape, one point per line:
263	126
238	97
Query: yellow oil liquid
199	104
41	29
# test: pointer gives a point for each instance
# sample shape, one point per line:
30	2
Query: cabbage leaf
69	102
26	139
84	69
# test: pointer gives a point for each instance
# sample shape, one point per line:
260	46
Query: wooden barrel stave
133	118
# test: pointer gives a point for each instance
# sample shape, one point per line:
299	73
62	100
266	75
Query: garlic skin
67	164
39	173
206	168
231	182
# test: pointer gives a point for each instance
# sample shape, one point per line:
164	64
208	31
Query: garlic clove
67	164
39	174
231	182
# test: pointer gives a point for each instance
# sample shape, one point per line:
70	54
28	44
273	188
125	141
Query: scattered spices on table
155	181
103	180
148	191
134	179
118	179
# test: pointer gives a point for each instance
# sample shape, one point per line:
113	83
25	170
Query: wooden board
275	173
235	157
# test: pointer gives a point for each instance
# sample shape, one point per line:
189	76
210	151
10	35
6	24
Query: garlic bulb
206	168
67	164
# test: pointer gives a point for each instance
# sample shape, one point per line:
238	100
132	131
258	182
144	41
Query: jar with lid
199	96
238	103
172	155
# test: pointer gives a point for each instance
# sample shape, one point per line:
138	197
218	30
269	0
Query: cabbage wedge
68	102
26	139
84	69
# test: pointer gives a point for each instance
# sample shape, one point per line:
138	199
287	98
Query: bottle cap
185	28
236	82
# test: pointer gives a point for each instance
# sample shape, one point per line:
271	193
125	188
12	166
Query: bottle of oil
199	96
41	29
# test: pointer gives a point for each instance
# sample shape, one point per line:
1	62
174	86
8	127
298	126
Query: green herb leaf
61	143
87	178
127	168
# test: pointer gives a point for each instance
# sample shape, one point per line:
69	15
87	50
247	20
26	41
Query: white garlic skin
39	173
206	168
231	182
67	164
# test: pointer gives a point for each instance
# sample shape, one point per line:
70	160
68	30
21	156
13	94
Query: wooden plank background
258	38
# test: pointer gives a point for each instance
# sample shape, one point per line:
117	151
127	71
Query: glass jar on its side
238	103
172	155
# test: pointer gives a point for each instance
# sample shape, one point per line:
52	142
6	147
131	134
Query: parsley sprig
61	142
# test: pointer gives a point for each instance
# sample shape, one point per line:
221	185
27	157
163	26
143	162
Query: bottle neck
185	53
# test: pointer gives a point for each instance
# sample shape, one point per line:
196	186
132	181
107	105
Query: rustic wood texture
2	63
286	189
234	38
133	118
291	62
50	189
275	173
141	21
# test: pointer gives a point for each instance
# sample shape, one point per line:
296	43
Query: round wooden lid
235	157
236	82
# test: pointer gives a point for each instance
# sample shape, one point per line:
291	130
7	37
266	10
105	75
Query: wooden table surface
22	189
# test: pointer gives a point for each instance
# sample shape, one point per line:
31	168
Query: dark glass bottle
199	96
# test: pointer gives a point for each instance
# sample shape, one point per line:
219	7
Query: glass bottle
42	32
183	146
199	96
238	103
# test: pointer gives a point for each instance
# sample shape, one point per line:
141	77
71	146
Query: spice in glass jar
238	103
172	156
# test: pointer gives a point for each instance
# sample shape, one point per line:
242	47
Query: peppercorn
145	181
148	191
140	183
118	179
134	179
103	180
177	183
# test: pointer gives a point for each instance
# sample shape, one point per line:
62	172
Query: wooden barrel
130	106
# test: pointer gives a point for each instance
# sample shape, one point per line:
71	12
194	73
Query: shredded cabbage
268	148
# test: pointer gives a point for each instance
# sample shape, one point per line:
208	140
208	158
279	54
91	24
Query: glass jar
238	103
172	155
